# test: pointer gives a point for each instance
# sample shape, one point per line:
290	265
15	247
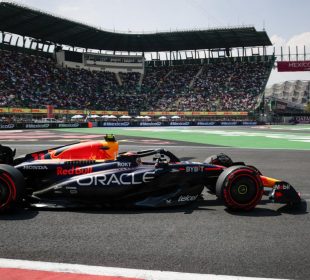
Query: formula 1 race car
94	174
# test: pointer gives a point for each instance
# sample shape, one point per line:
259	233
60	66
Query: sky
287	22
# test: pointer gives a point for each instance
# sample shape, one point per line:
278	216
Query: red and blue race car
94	173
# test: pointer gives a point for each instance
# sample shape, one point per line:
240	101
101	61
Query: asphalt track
201	238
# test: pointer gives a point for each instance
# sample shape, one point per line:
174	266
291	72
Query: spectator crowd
35	81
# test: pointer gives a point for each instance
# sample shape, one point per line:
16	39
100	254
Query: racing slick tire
11	187
240	187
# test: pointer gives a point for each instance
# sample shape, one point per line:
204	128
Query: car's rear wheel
240	187
11	187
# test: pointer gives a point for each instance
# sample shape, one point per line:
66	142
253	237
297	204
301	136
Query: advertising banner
4	110
54	111
206	123
7	126
100	112
20	110
175	123
38	111
76	112
41	125
62	112
149	123
293	66
181	123
163	113
114	124
303	119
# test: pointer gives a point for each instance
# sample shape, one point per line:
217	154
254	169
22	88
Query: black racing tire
240	187
12	187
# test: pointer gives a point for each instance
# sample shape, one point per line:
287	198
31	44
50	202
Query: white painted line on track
120	272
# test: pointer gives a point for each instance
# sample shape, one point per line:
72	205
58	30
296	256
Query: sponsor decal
194	169
206	123
282	186
186	198
32	125
35	167
68	125
150	124
125	124
73	171
115	179
7	126
124	164
179	123
228	123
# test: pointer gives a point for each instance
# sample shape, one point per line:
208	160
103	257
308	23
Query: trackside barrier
4	126
176	123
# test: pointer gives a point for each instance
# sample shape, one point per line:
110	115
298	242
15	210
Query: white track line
114	271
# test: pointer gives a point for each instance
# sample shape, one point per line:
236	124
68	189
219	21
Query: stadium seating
34	81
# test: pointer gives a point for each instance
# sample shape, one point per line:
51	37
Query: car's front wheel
240	187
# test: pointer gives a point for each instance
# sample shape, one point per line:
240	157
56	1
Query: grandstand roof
50	28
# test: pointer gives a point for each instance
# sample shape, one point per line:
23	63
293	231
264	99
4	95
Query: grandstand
78	68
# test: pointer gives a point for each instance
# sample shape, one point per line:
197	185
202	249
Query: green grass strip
207	137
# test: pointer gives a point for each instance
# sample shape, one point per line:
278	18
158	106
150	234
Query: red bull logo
73	171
